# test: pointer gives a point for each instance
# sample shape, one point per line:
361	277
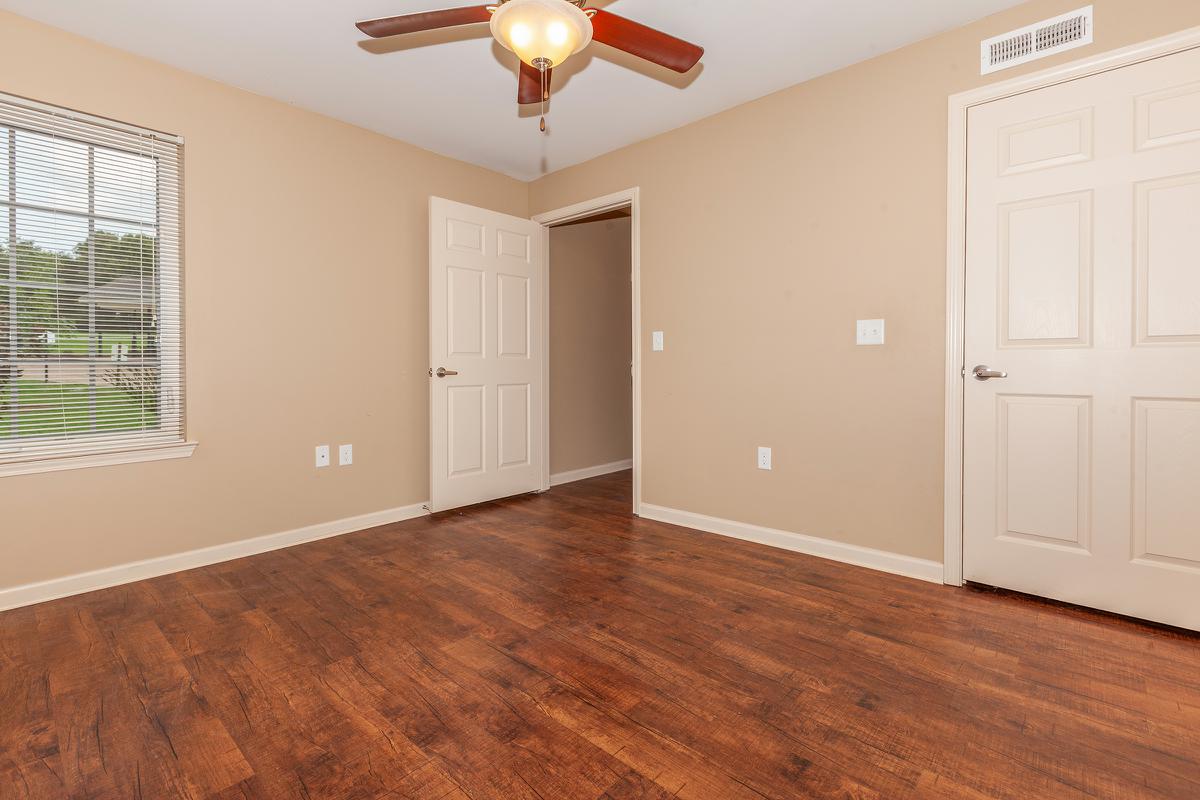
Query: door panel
1168	241
1083	284
515	425
1166	515
1044	143
1171	116
515	319
1046	271
485	284
1045	469
464	311
466	411
514	245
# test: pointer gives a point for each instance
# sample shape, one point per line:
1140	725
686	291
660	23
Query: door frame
610	202
956	253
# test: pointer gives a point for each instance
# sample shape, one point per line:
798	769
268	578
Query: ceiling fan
544	34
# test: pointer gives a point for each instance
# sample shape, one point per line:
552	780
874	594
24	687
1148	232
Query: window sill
158	452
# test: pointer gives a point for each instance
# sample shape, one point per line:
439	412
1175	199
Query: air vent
1039	40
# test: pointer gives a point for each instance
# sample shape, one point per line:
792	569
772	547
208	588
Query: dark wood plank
557	647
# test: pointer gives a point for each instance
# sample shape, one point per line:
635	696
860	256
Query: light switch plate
345	455
322	456
764	458
656	341
870	331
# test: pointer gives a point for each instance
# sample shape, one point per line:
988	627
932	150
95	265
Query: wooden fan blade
529	85
644	42
424	21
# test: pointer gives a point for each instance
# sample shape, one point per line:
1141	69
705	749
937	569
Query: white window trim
133	455
156	447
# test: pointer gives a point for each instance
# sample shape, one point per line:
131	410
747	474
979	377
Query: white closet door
1082	466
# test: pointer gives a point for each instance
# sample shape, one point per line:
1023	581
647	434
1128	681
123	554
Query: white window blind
91	314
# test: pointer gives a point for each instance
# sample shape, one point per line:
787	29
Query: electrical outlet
656	342
870	331
764	458
322	456
345	455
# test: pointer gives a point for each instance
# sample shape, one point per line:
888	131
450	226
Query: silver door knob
985	373
442	372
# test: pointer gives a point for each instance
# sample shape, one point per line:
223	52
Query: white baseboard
55	588
560	478
881	560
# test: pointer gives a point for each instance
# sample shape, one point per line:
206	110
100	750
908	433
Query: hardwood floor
556	647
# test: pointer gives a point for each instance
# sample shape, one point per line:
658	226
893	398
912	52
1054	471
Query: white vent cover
1041	39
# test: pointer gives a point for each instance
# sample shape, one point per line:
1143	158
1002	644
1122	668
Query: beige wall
307	317
591	402
766	231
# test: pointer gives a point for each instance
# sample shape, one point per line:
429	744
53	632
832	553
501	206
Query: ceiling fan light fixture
543	33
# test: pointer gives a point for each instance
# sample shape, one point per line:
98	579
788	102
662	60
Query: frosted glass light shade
550	29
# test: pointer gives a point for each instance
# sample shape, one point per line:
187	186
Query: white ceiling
455	92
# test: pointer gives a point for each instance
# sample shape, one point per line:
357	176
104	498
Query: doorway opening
592	363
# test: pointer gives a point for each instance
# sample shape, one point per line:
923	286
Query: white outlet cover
345	455
870	331
322	456
657	341
764	458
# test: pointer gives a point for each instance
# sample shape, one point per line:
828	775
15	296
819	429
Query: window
91	329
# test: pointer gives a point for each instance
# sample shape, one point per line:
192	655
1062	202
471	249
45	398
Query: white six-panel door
485	290
1082	466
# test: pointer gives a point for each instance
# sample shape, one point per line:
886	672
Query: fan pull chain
542	72
542	65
